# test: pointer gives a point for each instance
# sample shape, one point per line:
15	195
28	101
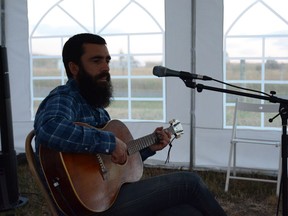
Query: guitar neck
143	142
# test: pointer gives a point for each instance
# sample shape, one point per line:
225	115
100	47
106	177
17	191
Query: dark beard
97	93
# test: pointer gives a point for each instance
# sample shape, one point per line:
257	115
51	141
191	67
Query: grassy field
243	198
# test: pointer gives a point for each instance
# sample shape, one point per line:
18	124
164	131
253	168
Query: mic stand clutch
283	110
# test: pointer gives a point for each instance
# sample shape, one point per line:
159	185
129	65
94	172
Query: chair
30	155
240	108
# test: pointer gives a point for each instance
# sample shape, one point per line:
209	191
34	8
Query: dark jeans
180	193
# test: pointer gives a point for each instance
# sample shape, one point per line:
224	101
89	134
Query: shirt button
107	150
86	149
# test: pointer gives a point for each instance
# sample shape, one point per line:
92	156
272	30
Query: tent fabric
210	142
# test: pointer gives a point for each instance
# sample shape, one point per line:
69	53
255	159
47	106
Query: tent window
255	52
134	32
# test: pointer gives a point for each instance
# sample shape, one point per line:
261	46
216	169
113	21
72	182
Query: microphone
161	71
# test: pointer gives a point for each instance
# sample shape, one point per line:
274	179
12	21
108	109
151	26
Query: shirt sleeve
55	127
146	152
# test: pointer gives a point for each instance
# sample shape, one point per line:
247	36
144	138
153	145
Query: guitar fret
154	139
131	147
141	143
136	146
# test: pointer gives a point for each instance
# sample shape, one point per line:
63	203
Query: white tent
194	42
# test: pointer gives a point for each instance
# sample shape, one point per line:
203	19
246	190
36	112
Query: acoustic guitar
82	184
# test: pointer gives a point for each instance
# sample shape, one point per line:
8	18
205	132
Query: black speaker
9	195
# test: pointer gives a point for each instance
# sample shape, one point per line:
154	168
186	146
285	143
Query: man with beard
84	98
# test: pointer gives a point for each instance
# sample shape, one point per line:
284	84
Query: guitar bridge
103	169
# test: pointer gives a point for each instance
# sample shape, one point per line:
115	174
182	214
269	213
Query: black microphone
161	71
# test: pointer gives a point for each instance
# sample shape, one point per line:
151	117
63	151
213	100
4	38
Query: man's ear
74	68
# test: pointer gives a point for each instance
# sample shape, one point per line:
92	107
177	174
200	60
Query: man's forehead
95	49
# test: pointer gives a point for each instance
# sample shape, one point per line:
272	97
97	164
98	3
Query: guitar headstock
176	128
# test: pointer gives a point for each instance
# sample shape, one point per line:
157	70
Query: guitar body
82	184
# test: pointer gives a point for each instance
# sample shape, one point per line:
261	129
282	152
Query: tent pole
193	67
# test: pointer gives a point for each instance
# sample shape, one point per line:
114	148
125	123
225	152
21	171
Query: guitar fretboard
143	142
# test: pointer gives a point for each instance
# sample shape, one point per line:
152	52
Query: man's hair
73	48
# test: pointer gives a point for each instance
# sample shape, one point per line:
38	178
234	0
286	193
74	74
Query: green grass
244	197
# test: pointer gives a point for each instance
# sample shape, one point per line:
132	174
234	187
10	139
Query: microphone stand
283	111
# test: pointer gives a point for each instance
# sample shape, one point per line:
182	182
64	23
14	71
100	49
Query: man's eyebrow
100	57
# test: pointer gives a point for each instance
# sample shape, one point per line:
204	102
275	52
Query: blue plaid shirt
55	124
